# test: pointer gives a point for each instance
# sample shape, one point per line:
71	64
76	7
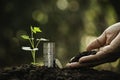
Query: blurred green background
72	24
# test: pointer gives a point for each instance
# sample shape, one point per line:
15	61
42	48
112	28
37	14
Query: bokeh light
40	16
73	5
62	4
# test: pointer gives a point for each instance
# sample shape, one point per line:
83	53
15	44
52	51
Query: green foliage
32	41
25	37
35	29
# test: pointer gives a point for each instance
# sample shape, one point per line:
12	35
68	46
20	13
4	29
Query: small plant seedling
34	42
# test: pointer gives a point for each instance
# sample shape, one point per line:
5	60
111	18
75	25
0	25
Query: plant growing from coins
33	42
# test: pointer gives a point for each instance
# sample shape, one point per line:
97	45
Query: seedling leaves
35	29
25	36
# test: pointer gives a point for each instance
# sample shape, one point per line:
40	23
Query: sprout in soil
33	42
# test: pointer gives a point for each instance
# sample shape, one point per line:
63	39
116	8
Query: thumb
97	43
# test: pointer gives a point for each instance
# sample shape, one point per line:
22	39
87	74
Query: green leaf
35	29
25	37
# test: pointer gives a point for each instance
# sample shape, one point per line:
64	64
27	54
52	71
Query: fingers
115	43
92	60
104	55
77	65
73	65
86	61
100	57
99	42
82	63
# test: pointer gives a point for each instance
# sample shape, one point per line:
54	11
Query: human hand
108	44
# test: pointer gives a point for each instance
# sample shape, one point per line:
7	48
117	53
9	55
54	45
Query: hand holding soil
108	44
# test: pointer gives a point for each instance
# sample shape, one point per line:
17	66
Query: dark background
70	23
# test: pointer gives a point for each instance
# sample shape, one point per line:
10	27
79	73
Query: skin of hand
108	44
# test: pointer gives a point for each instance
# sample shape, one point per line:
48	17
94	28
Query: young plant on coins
33	42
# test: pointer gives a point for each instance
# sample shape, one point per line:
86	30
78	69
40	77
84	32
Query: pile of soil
32	72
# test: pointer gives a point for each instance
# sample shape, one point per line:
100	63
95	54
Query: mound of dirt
32	72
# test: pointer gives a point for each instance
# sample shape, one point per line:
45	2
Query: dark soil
32	72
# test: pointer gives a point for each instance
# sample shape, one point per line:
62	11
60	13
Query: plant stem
33	56
37	43
33	46
32	38
31	43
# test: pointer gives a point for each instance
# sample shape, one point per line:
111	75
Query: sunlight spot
40	17
62	4
74	6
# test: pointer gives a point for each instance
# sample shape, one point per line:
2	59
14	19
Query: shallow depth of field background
72	24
